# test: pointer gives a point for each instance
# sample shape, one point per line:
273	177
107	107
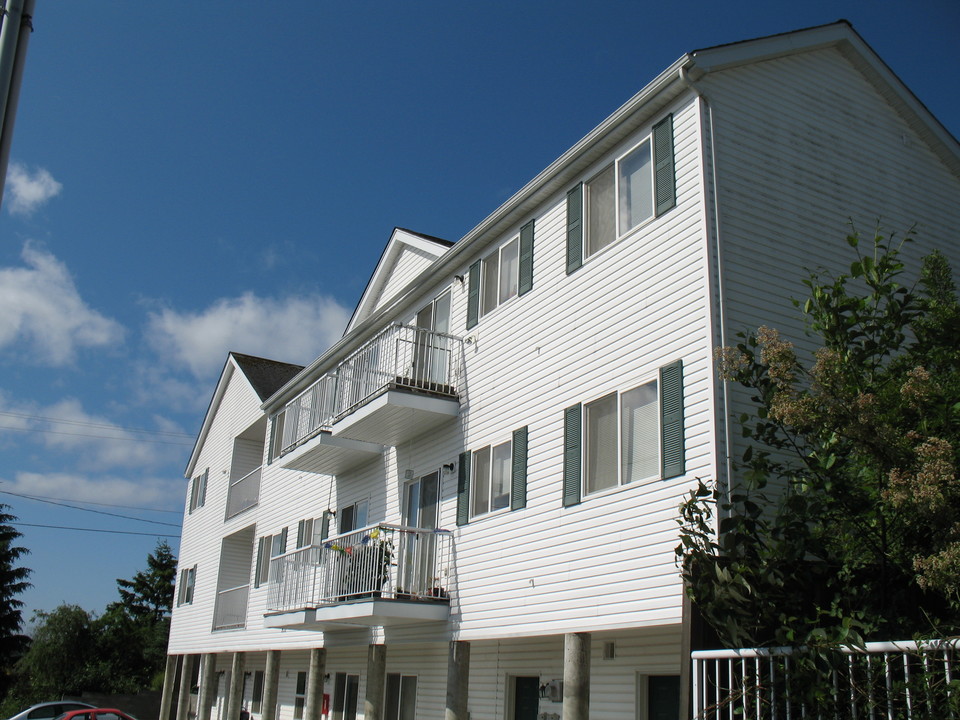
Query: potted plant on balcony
365	565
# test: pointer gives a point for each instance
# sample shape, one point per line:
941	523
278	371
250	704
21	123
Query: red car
96	714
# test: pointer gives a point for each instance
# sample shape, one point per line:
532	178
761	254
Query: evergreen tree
13	581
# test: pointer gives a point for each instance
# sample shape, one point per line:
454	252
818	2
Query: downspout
716	276
14	36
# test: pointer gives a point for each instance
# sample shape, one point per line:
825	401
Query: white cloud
294	329
41	307
27	191
137	491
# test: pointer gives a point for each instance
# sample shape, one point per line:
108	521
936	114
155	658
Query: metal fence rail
380	561
243	493
231	608
881	681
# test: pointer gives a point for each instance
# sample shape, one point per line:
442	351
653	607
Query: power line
98	437
88	423
96	530
90	502
99	512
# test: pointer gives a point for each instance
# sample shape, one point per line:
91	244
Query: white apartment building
467	507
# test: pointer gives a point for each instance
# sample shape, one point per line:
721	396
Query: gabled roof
400	239
264	377
677	79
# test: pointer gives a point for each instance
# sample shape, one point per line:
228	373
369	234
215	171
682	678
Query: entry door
421	510
526	698
432	355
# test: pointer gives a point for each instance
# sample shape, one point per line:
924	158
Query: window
346	691
621	438
638	185
353	517
198	490
305	533
493	478
625	437
269	547
188	580
503	274
400	701
256	702
300	697
312	531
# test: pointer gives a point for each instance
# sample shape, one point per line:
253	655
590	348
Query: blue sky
188	179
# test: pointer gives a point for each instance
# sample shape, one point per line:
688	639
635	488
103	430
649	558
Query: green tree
13	582
843	520
149	595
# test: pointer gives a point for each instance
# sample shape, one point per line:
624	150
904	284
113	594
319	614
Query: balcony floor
395	416
330	455
360	613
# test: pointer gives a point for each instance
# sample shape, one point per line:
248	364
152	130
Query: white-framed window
300	696
500	276
400	697
352	517
619	198
256	701
490	484
621	438
185	588
198	490
269	547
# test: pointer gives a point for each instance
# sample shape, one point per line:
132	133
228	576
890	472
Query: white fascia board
768	48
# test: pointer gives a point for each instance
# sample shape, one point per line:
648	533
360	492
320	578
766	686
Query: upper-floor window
493	478
635	187
185	588
352	517
490	485
269	547
625	437
198	490
501	275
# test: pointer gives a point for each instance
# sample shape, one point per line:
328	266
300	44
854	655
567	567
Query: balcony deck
380	575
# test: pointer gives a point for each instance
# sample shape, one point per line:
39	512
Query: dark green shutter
463	489
325	525
572	418
283	541
273	438
672	459
664	177
518	475
526	259
260	557
473	295
575	228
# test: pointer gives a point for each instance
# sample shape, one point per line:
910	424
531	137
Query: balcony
230	611
397	386
380	575
243	493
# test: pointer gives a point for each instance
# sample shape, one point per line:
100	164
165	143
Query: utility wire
98	437
114	532
99	512
90	502
87	423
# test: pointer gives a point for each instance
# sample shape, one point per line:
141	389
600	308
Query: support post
235	699
314	701
183	697
271	683
208	686
576	676
458	676
376	676
169	680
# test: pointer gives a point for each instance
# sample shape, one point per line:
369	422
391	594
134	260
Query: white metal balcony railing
243	493
882	681
231	608
379	561
401	356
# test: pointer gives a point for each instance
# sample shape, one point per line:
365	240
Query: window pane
346	519
391	703
408	698
500	477
601	230
301	683
641	433
509	269
600	426
441	313
353	694
481	481
636	188
491	281
360	515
